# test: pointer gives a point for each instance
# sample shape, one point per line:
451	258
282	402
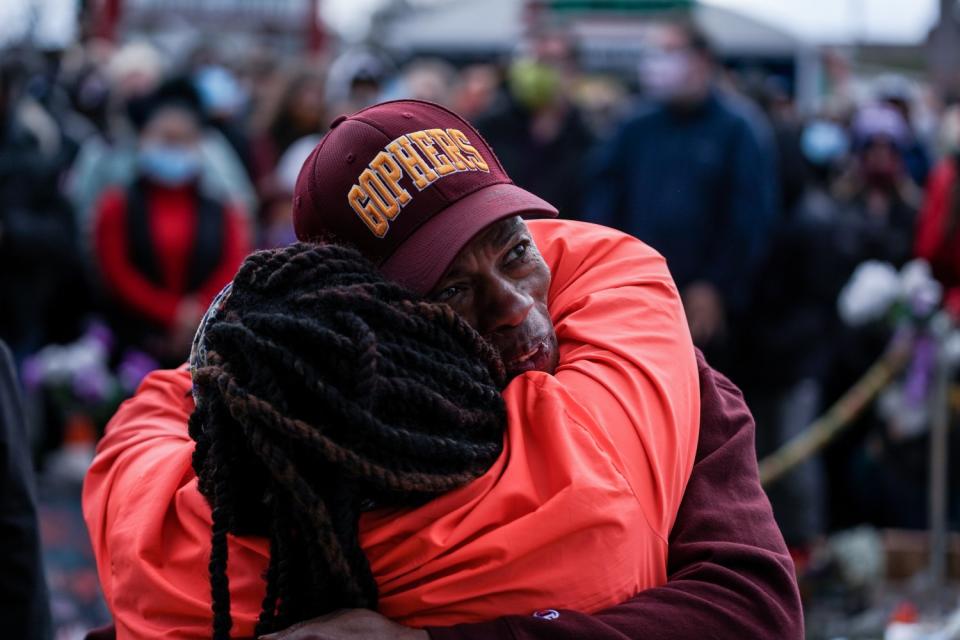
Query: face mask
171	165
533	84
881	177
881	174
824	143
220	92
666	74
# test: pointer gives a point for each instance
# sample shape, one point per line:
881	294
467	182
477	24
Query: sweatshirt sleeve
730	575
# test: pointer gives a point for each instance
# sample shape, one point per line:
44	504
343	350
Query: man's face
672	71
172	126
499	284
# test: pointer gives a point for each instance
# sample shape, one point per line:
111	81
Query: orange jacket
574	514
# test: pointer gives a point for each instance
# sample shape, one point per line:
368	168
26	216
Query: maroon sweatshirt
730	576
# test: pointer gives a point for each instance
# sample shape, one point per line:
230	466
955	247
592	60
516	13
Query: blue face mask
170	165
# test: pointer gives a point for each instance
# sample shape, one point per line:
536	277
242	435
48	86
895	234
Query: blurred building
285	25
943	48
611	35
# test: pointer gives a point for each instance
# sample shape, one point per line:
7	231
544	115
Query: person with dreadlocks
322	389
607	460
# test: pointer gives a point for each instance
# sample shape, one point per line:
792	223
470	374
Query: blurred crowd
133	180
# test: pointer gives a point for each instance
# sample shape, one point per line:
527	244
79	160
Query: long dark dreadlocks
324	390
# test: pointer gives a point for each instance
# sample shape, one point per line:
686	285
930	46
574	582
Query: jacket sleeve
730	576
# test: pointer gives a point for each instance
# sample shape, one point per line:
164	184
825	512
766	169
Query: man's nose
509	305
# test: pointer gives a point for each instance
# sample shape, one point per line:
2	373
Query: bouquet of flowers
911	302
81	384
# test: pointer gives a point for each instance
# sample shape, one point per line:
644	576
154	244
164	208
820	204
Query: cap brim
422	259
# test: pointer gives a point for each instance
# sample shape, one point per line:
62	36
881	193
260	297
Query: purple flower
100	334
92	385
31	371
134	366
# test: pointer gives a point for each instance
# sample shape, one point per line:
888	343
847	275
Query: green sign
618	6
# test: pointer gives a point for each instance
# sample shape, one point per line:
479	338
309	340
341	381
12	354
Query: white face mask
667	74
171	165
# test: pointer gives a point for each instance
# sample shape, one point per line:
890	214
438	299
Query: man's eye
445	295
518	252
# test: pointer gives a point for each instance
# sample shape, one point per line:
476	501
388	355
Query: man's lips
534	357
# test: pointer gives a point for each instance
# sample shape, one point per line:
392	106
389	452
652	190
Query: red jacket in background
172	224
932	243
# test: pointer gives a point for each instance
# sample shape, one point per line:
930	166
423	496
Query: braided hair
324	390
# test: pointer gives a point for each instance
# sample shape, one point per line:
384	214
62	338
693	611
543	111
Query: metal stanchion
840	416
939	431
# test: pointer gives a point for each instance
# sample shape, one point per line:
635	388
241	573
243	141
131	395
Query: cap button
338	120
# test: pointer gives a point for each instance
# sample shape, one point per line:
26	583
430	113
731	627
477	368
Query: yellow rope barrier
840	416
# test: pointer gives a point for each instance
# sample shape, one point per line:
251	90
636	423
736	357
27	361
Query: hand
349	624
705	312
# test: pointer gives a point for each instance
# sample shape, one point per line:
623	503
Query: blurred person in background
871	475
134	69
296	109
83	76
792	317
38	238
256	67
24	599
46	87
895	91
224	102
693	174
133	72
356	79
429	79
475	91
938	228
772	95
276	208
878	195
604	102
540	135
163	245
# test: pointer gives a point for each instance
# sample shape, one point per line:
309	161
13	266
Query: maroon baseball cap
408	183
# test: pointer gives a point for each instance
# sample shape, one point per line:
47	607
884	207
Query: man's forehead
496	236
498	233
